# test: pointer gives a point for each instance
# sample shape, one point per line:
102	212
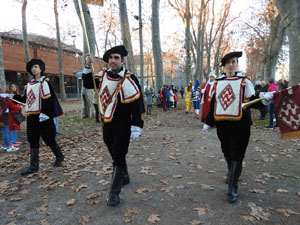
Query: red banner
287	109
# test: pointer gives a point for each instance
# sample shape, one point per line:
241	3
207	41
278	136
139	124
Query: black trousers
36	129
234	137
116	136
96	112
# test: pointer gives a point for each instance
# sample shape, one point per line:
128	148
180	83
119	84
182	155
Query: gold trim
131	100
49	96
221	118
32	113
293	134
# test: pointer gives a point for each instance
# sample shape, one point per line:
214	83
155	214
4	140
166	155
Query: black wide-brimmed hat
120	49
33	62
230	56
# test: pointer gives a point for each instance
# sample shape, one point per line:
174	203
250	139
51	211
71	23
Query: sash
108	91
228	100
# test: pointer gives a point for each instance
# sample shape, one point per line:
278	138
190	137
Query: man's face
211	78
231	65
115	61
36	70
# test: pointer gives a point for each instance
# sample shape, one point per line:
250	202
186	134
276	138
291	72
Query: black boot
235	172
228	168
126	178
59	156
34	162
115	187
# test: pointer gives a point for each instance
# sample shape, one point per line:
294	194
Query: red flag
287	109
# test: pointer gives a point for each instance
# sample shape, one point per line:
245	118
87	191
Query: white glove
207	128
202	91
268	96
43	117
135	132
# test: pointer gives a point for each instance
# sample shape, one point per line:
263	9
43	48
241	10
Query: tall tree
290	12
2	74
87	95
141	45
60	56
25	36
126	37
156	44
188	44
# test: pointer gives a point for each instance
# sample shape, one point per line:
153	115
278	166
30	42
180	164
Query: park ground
177	177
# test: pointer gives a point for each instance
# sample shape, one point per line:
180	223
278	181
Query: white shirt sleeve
249	89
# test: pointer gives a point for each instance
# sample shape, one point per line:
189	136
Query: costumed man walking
188	101
41	106
205	90
121	107
195	97
233	123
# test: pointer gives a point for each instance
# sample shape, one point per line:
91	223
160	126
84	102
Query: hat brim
120	49
33	62
230	56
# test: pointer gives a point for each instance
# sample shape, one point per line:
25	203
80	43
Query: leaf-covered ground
177	177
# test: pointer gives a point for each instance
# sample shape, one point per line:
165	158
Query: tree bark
141	45
126	37
156	44
188	44
87	94
2	73
60	56
290	12
25	38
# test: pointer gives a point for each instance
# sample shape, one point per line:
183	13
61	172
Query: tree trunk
87	94
60	56
273	47
126	37
141	45
156	44
25	38
290	12
2	73
188	43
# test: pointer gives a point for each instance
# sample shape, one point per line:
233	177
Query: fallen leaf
207	187
71	202
80	187
211	171
85	219
201	211
44	221
154	218
281	190
257	212
141	190
15	199
92	198
12	212
287	212
259	191
177	176
298	193
195	222
42	208
2	201
248	218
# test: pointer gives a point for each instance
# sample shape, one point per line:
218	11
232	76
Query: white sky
40	20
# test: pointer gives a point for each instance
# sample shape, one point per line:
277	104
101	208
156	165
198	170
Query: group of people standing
168	95
9	127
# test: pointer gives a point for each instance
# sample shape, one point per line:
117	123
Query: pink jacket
273	87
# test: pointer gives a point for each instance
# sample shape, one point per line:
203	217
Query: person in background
188	101
14	127
168	98
149	96
171	99
272	88
182	92
175	99
195	97
4	124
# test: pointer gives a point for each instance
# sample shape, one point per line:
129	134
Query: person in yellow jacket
188	101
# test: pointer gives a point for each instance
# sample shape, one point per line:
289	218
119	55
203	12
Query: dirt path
177	176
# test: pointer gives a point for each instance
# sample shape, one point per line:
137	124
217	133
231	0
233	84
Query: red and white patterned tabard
228	105
109	89
35	92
